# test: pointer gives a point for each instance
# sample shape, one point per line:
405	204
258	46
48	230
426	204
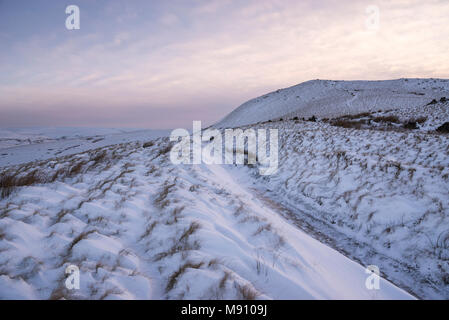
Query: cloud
169	19
219	53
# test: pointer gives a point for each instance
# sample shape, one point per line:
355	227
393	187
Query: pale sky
162	64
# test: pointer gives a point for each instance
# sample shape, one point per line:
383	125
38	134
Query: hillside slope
345	196
139	227
378	196
329	99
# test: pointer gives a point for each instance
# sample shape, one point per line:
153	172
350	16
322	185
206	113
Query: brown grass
246	292
386	119
181	245
42	172
347	124
357	116
9	182
226	277
148	144
194	226
149	229
161	200
266	227
81	236
76	169
174	277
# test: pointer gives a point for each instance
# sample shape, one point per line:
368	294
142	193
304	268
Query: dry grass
76	169
226	277
181	245
161	200
246	292
266	227
174	277
347	124
109	292
9	182
149	229
61	214
214	263
43	172
81	236
148	144
387	119
357	116
194	226
386	122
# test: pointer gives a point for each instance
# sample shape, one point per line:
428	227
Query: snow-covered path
329	274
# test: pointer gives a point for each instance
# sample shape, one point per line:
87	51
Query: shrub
359	115
392	119
148	144
347	124
444	128
410	125
413	123
420	120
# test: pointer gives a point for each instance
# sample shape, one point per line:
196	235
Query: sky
161	64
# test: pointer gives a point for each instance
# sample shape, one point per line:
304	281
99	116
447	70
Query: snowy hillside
138	226
12	137
45	143
362	180
329	99
379	197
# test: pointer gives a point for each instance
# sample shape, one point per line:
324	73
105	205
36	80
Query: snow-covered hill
13	137
329	99
378	196
367	186
34	144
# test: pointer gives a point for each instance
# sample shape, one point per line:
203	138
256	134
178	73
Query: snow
140	227
380	197
10	137
46	143
131	240
329	99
